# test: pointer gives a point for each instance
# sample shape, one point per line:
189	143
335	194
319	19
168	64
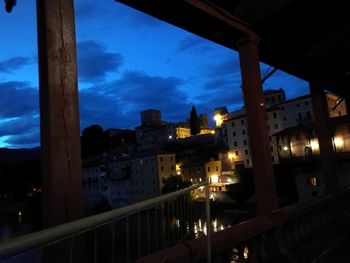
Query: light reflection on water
199	227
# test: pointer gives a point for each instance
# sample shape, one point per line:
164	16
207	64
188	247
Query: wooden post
59	112
324	135
257	127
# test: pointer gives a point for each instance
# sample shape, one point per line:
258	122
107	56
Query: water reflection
200	227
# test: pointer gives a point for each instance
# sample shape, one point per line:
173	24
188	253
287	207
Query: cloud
94	62
27	140
21	132
20	125
14	63
194	44
231	97
99	107
19	118
17	99
144	92
85	10
119	103
229	66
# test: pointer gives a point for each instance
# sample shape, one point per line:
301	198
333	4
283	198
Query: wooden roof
309	39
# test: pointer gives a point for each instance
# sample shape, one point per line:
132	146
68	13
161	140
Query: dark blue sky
127	62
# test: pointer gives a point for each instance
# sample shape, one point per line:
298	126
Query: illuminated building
301	141
154	133
280	114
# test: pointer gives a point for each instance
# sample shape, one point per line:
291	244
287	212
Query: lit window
313	181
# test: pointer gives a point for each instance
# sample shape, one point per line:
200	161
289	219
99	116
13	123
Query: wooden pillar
324	135
347	104
59	112
257	126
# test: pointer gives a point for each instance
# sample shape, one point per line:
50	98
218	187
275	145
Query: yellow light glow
246	252
314	144
285	148
338	142
231	156
218	120
214	178
212	132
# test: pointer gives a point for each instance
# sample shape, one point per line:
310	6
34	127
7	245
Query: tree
93	141
244	190
174	183
195	125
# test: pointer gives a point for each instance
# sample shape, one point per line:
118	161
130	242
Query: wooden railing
303	232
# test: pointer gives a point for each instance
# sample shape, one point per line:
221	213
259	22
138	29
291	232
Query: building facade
134	178
280	114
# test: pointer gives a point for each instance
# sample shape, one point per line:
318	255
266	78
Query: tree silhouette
174	183
93	141
195	125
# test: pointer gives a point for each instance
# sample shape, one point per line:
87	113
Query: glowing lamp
218	120
314	144
231	155
338	142
214	178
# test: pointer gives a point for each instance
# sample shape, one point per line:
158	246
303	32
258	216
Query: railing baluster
156	226
113	242
138	235
177	218
148	234
127	240
95	246
162	214
207	211
172	231
71	249
167	223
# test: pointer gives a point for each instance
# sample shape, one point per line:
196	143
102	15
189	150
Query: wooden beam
254	102
224	16
324	136
59	112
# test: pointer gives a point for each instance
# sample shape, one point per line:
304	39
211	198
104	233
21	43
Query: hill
16	157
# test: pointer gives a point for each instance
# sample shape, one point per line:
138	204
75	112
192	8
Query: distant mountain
14	157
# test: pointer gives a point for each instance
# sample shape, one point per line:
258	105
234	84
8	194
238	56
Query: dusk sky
127	62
